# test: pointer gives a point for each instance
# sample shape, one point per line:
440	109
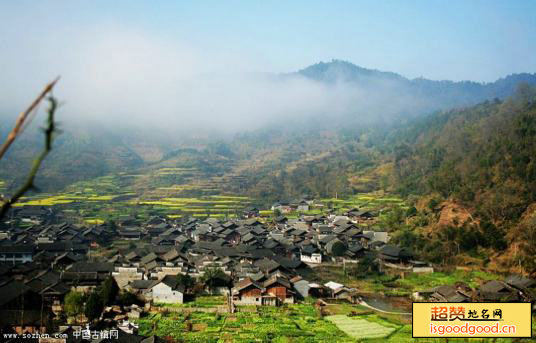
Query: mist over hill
278	112
428	95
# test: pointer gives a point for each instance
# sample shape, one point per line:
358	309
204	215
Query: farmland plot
360	328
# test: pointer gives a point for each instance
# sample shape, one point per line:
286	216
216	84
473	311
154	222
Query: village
165	264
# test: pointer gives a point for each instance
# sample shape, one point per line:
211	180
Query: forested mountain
475	171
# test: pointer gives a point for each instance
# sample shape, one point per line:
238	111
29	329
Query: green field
295	323
361	328
287	324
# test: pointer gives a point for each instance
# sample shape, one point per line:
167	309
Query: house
305	288
267	265
354	251
275	291
393	254
303	206
251	212
310	254
333	285
34	212
129	234
446	293
526	287
142	288
496	291
15	254
247	292
127	220
64	260
343	293
164	240
87	275
20	308
150	257
133	257
283	207
278	291
339	291
168	290
124	275
360	215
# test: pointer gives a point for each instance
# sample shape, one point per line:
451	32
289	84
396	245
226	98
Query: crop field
360	328
295	323
108	198
292	323
218	206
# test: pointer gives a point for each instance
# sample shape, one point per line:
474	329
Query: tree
128	298
108	291
364	266
94	306
411	211
74	303
186	281
527	238
214	277
338	249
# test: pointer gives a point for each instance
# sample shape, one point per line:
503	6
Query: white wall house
16	254
312	258
168	291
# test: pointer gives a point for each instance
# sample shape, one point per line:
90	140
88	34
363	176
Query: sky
133	56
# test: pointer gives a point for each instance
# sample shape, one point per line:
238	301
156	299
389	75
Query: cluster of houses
43	257
258	263
514	288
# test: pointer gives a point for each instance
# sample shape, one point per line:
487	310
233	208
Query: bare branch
29	183
23	116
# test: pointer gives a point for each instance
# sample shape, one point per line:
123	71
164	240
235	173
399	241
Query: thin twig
23	116
29	183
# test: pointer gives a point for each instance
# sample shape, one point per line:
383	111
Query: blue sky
202	64
476	40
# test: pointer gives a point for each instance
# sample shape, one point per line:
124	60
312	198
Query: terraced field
218	206
110	197
176	192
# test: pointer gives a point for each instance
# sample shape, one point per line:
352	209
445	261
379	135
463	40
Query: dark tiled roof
519	281
142	284
277	280
96	267
173	282
11	291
